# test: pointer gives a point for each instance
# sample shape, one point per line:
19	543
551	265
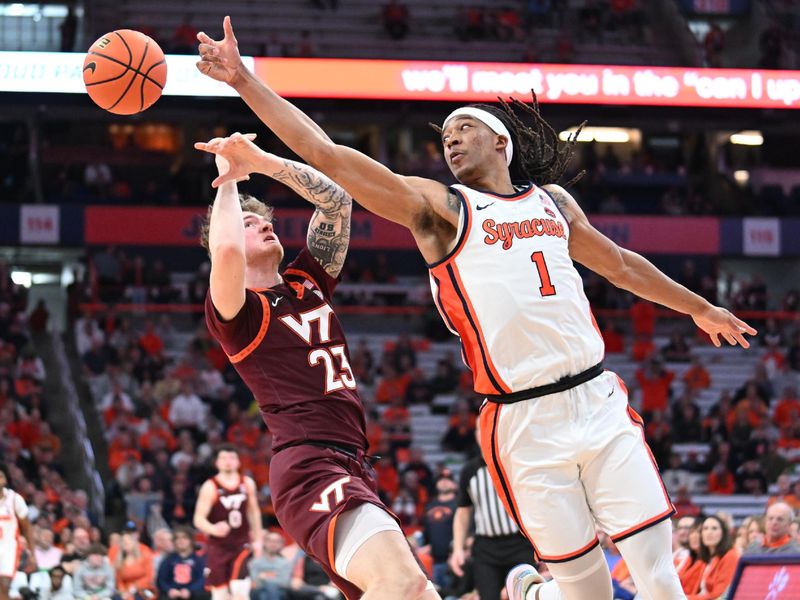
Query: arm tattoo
453	202
329	230
561	199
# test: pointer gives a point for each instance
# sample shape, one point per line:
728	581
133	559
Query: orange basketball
124	72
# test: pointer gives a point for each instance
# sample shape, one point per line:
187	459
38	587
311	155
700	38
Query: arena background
691	159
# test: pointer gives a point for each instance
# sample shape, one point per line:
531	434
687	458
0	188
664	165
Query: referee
498	545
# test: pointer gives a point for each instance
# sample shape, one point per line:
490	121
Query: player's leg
530	451
649	558
577	579
625	491
220	592
371	552
5	584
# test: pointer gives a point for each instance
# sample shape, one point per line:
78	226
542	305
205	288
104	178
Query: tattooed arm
329	230
633	272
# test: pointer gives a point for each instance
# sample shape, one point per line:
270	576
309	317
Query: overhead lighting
747	138
23	278
741	177
15	10
603	135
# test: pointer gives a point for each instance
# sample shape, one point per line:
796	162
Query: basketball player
13	521
227	512
563	447
281	334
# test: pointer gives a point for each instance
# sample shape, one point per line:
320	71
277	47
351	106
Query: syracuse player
563	447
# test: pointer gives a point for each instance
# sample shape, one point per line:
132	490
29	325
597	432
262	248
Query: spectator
677	350
684	507
696	376
395	19
614	342
94	579
445	378
47	555
460	435
676	476
437	528
750	479
788	407
687	559
714	46
654	381
784	493
133	566
777	539
310	582
163	545
270	573
55	585
187	409
720	556
418	390
721	480
37	321
306	47
180	574
184	40
68	29
150	341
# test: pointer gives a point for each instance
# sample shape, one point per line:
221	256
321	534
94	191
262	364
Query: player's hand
716	322
221	529
456	562
240	156
32	564
220	60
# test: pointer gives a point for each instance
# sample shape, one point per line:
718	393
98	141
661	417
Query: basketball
125	72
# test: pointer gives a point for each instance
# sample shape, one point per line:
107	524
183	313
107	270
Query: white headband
487	119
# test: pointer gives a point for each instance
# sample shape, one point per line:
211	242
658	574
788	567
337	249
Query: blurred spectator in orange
654	381
395	19
696	376
720	480
614	342
391	384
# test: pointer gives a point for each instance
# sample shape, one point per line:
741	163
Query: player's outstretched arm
631	271
226	246
328	235
377	188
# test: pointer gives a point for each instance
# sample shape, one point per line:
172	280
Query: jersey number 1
547	288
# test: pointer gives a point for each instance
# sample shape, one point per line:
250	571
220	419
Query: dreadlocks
538	154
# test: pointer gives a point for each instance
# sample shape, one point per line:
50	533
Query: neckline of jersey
527	188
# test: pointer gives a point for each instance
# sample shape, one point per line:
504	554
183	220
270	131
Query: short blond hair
248	204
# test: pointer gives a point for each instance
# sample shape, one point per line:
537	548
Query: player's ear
501	142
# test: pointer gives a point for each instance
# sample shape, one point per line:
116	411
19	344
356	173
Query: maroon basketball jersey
289	348
230	506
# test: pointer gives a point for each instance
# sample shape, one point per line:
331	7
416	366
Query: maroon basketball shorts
223	564
311	486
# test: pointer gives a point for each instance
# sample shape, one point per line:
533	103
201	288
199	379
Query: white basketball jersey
510	291
12	508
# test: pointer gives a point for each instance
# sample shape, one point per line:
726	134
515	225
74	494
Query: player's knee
400	582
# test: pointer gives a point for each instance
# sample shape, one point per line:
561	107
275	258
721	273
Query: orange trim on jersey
331	537
571	555
639	422
465	231
262	331
644	524
488	419
481	340
302	274
625	389
237	565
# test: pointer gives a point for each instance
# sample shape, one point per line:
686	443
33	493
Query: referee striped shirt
476	491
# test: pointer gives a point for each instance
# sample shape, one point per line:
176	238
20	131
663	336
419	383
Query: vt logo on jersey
506	232
233	502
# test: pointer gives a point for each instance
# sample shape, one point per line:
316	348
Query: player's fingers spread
741	340
202	37
745	328
715	339
729	337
